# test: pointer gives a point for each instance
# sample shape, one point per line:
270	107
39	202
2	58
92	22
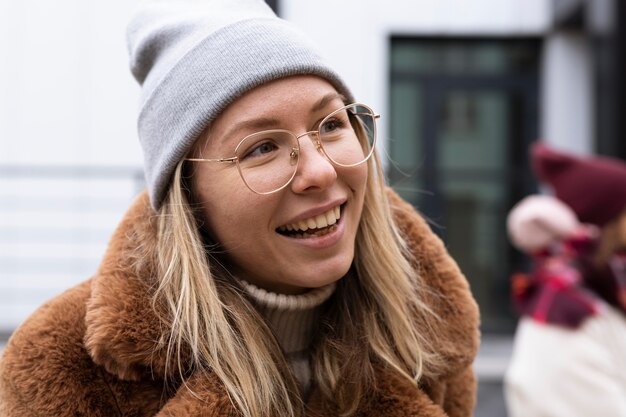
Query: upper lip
314	211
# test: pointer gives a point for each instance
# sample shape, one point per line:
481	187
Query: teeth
318	222
331	218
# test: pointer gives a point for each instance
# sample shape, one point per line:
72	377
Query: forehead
272	105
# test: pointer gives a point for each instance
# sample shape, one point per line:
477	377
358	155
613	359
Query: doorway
463	112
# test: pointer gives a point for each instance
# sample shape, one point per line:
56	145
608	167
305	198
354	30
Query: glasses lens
268	160
348	135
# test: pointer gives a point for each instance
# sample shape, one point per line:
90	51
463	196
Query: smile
314	226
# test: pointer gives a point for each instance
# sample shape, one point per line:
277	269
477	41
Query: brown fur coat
91	351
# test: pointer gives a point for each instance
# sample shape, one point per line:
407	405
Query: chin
323	277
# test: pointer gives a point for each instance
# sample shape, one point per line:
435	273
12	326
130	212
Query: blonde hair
375	315
612	240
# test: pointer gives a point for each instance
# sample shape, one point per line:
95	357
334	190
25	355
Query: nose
315	172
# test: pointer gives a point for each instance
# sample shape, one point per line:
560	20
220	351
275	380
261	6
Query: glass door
459	149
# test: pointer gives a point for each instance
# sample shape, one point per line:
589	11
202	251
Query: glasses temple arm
231	159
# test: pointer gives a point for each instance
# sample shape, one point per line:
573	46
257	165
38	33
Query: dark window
462	114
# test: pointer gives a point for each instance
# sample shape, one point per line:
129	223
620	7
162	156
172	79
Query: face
252	229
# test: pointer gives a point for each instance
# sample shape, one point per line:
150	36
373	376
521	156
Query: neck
294	320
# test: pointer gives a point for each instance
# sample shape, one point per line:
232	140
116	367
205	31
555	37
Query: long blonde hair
375	315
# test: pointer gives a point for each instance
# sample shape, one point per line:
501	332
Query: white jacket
556	372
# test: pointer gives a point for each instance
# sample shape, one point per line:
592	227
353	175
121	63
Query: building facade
463	88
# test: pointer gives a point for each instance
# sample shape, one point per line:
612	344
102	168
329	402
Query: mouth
315	226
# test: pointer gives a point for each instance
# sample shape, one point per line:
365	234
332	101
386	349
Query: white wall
567	97
66	94
67	99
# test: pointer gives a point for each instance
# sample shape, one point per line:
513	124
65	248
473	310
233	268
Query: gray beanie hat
195	57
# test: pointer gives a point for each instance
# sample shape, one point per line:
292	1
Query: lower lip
320	242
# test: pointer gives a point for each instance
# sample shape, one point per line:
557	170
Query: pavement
490	366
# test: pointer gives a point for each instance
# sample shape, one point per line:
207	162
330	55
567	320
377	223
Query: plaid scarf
564	287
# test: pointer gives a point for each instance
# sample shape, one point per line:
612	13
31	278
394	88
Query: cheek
356	177
226	217
234	216
215	193
220	221
361	177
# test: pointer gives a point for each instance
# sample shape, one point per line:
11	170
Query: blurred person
568	354
267	271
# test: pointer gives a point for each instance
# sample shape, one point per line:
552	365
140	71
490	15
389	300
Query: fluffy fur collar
122	332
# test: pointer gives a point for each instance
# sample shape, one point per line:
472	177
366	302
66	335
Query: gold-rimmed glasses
267	161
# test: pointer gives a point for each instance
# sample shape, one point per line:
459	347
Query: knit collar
292	318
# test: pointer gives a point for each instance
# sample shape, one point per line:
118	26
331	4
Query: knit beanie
193	58
594	187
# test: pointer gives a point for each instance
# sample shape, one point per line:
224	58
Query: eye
331	126
260	149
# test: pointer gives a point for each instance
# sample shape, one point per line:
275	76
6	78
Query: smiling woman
267	271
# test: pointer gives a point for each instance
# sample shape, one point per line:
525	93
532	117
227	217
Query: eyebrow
267	122
324	101
252	124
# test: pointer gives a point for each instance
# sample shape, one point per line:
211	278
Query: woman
268	272
568	356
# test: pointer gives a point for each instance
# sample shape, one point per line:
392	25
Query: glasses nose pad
315	138
293	156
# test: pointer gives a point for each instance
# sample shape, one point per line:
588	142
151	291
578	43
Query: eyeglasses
267	161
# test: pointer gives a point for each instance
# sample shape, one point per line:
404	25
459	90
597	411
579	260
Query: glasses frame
315	137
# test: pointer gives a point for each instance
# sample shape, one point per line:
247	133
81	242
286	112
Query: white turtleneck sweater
293	319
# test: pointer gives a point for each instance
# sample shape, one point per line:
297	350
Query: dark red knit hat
594	187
